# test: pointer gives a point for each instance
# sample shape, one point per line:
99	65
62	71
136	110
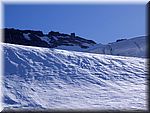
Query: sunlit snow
130	47
46	78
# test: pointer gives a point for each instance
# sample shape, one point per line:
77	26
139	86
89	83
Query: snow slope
43	78
134	47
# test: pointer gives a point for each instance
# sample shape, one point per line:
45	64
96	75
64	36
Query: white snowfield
135	47
43	78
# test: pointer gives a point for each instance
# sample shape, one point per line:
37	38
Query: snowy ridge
134	47
46	78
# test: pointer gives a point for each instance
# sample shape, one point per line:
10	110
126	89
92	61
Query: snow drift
43	78
134	47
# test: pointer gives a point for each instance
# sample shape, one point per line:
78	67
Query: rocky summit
50	40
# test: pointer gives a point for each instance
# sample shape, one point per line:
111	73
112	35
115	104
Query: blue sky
102	23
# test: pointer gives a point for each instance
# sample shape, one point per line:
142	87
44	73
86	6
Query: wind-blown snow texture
46	78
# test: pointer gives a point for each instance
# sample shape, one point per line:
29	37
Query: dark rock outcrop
50	40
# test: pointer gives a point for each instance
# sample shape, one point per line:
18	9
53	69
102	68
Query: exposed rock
51	40
120	40
72	35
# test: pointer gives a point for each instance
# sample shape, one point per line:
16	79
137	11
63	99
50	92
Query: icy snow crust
43	78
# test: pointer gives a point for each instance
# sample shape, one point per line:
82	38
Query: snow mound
134	47
43	78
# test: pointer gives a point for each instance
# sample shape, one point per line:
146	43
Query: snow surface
46	39
135	47
56	38
26	36
43	78
70	48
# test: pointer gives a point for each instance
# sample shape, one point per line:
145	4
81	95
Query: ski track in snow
42	78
